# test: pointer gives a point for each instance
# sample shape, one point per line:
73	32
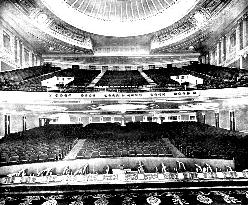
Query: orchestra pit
126	102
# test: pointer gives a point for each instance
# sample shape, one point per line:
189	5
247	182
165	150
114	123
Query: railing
129	177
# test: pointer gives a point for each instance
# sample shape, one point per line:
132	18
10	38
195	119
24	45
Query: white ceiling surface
120	28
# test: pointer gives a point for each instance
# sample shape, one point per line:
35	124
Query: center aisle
74	151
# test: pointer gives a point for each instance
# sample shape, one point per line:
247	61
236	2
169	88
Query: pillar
90	119
101	119
41	122
145	119
123	123
159	121
217	118
241	62
218	53
7	124
112	119
133	118
232	120
203	118
24	123
245	27
237	38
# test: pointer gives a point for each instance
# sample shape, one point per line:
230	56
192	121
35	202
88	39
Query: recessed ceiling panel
120	17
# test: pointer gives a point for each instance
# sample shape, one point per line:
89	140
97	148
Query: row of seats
162	78
36	145
122	78
82	77
125	147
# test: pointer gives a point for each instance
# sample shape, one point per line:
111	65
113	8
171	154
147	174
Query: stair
95	81
148	79
73	153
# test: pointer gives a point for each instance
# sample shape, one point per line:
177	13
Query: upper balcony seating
161	76
82	77
122	78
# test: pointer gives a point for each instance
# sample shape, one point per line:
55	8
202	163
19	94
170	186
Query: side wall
15	51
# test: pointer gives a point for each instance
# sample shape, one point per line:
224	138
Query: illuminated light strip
105	6
80	5
161	4
131	5
143	7
87	6
115	8
93	7
148	7
155	6
98	8
167	2
110	9
121	11
137	9
75	3
126	10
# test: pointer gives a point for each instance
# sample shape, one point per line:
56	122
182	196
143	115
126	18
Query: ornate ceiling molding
115	27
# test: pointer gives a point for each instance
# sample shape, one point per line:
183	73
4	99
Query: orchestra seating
125	147
122	78
193	139
36	145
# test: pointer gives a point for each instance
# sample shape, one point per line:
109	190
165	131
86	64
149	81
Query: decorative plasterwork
118	28
183	30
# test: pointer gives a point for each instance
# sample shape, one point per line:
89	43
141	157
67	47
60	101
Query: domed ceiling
121	18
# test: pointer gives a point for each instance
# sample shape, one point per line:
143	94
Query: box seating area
17	76
161	76
217	76
28	79
122	78
36	145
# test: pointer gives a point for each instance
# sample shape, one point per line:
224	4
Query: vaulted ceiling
87	26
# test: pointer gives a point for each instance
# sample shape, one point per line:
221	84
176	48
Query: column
7	124
217	118
41	122
237	38
90	119
217	53
79	120
145	119
245	29
227	46
159	121
112	119
232	120
30	58
220	51
203	117
241	62
123	123
133	118
223	48
101	119
24	123
18	52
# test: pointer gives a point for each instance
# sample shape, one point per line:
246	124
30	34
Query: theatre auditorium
123	102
